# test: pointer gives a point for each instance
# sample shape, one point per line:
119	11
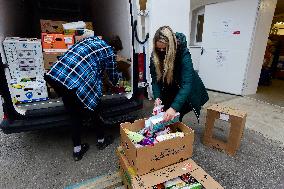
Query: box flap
227	110
167	173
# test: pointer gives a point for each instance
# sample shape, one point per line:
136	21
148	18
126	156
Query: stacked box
165	164
50	59
25	62
29	91
52	43
51	26
157	178
24	57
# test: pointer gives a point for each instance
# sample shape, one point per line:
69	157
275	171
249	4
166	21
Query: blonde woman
175	84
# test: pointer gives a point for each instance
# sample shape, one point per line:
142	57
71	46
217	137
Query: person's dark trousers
77	112
75	109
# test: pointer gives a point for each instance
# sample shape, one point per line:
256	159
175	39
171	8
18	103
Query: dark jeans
77	112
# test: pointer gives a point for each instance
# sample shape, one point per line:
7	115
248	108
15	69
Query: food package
155	123
158	109
174	183
169	136
133	136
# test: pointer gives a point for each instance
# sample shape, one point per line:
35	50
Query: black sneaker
79	155
102	145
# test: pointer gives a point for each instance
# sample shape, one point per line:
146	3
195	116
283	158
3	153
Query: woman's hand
169	115
158	102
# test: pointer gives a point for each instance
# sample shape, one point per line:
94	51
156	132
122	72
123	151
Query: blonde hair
165	35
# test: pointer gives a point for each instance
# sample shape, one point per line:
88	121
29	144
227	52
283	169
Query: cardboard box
51	26
237	120
56	42
29	91
24	57
162	154
89	25
133	181
50	59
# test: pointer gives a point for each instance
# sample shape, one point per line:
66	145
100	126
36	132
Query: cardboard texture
51	26
162	154
24	57
149	180
50	59
56	42
237	120
89	25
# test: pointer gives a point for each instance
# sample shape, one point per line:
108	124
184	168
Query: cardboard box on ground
133	181
237	120
162	154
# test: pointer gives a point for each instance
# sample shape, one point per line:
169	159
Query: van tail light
5	117
141	66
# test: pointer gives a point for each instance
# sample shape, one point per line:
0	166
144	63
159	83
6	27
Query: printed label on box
68	40
224	117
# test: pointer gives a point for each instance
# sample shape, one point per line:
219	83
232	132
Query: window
197	26
199	30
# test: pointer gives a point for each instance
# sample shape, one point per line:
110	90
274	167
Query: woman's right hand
158	102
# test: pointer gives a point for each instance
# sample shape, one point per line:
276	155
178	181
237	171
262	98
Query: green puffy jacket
191	89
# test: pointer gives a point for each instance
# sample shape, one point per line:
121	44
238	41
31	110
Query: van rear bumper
112	114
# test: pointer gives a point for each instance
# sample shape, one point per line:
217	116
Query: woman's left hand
169	115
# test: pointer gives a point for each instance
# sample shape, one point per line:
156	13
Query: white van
22	19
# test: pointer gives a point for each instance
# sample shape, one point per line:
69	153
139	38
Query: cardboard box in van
134	181
56	42
150	158
51	26
50	59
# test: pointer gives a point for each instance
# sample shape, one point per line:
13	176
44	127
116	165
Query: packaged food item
188	178
159	186
134	137
158	109
174	183
167	130
169	136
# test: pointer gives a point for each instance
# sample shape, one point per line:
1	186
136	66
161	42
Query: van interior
21	18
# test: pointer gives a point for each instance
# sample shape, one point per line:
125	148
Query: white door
227	36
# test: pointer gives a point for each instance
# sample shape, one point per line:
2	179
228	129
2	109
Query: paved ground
273	94
43	159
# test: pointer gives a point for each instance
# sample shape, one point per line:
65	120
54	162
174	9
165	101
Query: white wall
265	16
198	3
112	18
169	12
195	56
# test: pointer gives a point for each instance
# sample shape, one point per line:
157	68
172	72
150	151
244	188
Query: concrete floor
273	94
43	159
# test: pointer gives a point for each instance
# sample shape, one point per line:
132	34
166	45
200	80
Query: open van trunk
22	19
